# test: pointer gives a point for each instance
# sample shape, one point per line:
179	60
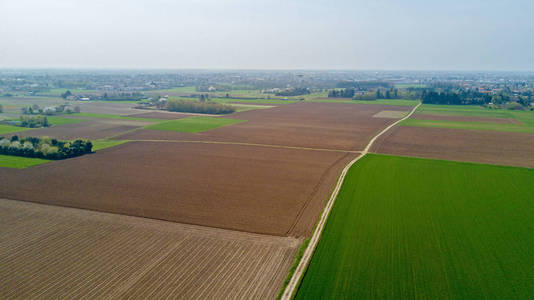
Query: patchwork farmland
176	205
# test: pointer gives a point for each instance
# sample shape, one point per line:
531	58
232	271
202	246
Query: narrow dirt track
292	287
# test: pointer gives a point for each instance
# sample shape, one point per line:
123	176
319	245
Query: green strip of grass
104	144
58	121
4	129
194	124
17	162
298	258
410	228
398	102
468	125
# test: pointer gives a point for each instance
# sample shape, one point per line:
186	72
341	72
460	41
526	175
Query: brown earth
493	147
465	119
310	125
92	129
63	253
255	189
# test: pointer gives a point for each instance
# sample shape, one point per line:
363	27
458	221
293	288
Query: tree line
204	107
44	147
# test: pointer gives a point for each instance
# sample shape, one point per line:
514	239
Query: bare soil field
91	129
493	147
465	119
54	252
310	125
255	189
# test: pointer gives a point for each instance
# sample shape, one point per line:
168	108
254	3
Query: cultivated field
407	228
494	147
250	188
53	252
310	125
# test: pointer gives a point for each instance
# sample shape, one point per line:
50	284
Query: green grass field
104	144
410	228
194	124
526	118
399	102
5	129
58	121
17	162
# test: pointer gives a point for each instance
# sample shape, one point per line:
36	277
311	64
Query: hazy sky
274	34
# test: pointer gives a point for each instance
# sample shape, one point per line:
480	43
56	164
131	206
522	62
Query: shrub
199	107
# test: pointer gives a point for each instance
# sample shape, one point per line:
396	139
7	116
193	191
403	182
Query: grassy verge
468	125
194	124
5	129
104	144
399	102
408	228
17	162
300	253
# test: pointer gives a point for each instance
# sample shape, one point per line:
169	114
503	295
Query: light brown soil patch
391	114
465	119
493	147
93	129
255	189
310	125
62	253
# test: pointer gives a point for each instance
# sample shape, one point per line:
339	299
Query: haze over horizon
280	35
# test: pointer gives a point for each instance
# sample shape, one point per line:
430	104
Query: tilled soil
310	125
248	188
53	252
493	147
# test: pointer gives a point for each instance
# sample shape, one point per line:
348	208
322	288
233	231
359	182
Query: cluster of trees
32	121
50	110
205	107
391	93
1	108
44	147
297	91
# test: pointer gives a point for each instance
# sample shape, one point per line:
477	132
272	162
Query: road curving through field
294	282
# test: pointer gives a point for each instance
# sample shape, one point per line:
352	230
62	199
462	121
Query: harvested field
311	125
92	129
54	252
160	115
493	147
255	189
465	119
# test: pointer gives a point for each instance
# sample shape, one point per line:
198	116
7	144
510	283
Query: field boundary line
244	144
295	280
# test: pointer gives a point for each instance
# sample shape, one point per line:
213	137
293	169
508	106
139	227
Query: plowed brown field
311	125
53	252
256	189
493	147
